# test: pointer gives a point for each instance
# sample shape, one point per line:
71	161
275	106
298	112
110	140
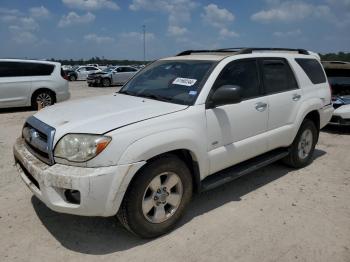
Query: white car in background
29	82
118	75
338	73
83	71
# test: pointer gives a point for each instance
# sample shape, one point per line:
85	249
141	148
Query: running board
248	166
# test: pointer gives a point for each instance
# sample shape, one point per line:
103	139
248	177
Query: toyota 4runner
182	125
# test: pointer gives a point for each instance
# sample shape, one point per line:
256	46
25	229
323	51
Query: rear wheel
44	98
72	78
106	82
157	197
303	146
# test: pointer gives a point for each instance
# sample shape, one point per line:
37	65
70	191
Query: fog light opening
72	196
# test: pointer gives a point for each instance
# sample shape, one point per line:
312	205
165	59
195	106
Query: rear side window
15	69
243	73
313	70
277	76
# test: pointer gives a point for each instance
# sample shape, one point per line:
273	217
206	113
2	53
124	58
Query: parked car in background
94	65
184	124
118	75
81	72
71	74
338	74
29	82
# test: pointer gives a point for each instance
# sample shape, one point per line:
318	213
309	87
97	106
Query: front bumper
96	81
338	120
101	189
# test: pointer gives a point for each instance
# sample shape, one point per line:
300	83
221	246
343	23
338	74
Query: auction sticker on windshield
184	81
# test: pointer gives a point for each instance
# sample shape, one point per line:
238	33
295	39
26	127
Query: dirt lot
274	214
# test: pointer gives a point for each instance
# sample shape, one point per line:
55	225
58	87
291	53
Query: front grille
39	139
335	119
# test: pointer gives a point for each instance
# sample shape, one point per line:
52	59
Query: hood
101	114
341	100
98	74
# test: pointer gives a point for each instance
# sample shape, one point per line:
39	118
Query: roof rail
242	50
251	50
188	52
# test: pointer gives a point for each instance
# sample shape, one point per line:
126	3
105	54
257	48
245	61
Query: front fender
165	141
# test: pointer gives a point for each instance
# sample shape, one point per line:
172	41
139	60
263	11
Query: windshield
171	81
107	70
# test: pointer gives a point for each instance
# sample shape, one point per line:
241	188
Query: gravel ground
274	214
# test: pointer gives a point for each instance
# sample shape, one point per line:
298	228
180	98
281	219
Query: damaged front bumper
101	189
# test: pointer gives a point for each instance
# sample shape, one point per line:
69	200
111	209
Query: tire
141	204
106	82
45	97
72	78
302	149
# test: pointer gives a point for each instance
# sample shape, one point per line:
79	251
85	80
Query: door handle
260	106
296	97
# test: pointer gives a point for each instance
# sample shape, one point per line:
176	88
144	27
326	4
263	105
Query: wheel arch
40	89
185	155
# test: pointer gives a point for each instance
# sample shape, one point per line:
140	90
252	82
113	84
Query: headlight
81	147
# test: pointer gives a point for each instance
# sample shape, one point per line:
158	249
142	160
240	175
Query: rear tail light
63	74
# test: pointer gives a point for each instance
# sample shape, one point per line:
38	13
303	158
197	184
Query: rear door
235	131
129	72
82	73
15	84
284	98
117	75
124	74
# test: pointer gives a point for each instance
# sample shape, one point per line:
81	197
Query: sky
75	29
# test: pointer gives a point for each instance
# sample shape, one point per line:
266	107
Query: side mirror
224	95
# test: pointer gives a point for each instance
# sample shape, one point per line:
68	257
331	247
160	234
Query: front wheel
43	98
106	82
72	78
157	197
303	146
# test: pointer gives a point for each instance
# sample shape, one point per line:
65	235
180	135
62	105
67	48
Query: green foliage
340	56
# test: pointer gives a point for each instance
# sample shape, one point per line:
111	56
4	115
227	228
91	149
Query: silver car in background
31	83
117	75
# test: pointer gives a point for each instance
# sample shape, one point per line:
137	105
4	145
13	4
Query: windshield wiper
156	97
126	92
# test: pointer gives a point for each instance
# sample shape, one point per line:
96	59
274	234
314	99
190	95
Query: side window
13	69
313	69
119	69
277	76
243	73
37	69
129	69
9	69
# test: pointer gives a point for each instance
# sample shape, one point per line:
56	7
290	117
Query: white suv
29	82
183	124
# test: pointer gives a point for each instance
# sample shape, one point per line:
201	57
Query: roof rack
251	50
243	50
188	52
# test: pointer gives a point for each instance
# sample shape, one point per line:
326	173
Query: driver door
82	73
236	131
